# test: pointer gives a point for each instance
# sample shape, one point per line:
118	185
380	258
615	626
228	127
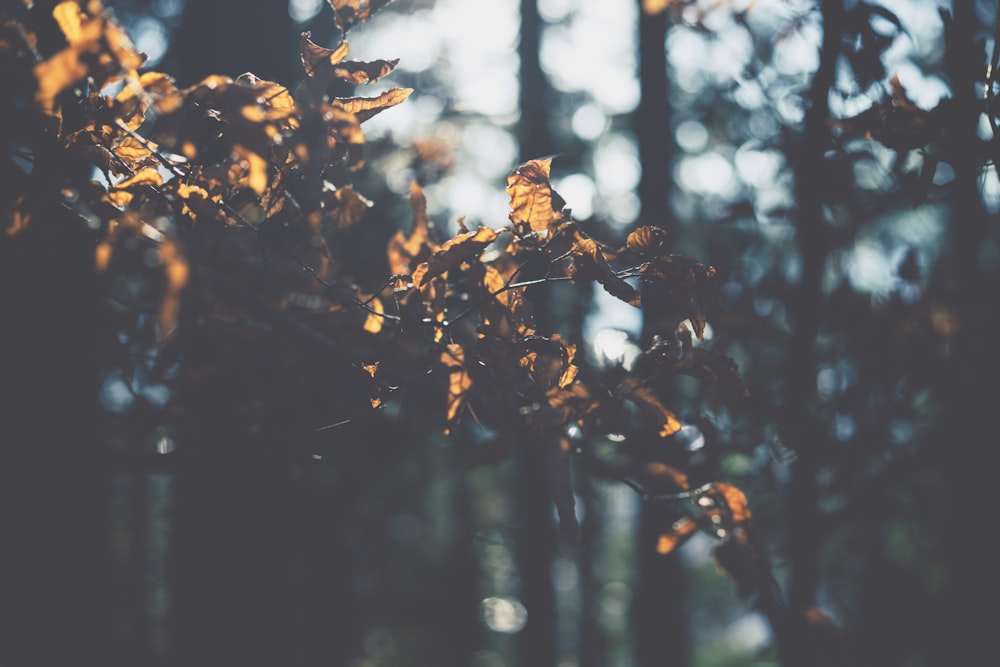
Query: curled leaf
315	57
589	263
406	252
459	381
348	13
453	253
358	73
364	108
534	205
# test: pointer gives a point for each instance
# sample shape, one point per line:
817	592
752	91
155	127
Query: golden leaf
404	251
459	381
733	499
175	268
679	533
374	321
17	218
121	194
315	57
70	19
358	73
364	108
589	263
534	205
646	240
344	206
643	396
660	469
348	13
453	252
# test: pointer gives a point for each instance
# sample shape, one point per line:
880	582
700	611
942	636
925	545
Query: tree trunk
806	434
659	622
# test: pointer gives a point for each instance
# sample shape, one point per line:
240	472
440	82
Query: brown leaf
678	278
348	13
726	498
374	321
549	360
365	107
678	534
589	263
18	217
453	253
406	252
175	270
344	206
647	241
534	205
643	396
316	57
573	403
70	18
705	364
358	73
121	194
459	381
657	470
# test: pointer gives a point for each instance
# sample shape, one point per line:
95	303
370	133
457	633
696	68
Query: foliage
232	200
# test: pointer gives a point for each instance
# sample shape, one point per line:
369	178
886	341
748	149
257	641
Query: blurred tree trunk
536	547
659	622
806	434
55	578
231	37
593	640
964	443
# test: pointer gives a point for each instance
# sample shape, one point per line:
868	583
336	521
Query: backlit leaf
657	470
678	534
70	18
589	263
534	205
406	252
453	253
643	396
17	217
365	107
374	321
647	241
348	13
175	269
344	206
121	194
315	56
358	73
459	382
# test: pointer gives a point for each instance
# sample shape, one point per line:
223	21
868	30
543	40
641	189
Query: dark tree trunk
536	550
806	433
536	546
659	623
230	37
55	580
533	131
966	438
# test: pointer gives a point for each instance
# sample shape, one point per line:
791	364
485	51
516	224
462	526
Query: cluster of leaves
232	199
